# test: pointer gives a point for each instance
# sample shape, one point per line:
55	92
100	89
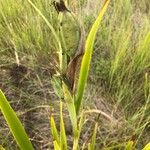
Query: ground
117	93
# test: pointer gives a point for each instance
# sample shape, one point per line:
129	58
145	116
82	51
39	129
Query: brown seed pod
75	61
60	6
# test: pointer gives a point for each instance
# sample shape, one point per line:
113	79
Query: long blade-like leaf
63	139
94	137
72	113
56	146
129	145
1	148
54	130
147	147
14	124
87	57
71	108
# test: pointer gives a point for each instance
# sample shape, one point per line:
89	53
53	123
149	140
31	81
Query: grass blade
56	83
1	148
53	32
71	107
63	139
46	21
89	146
56	146
54	130
87	57
14	124
94	137
81	122
72	113
147	147
129	145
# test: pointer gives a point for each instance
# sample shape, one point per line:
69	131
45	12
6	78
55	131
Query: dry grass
116	86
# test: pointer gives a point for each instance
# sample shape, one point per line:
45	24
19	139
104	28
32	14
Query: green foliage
71	108
74	108
93	140
63	140
1	148
57	39
122	66
129	145
60	139
25	31
85	65
147	147
54	131
121	56
56	83
56	146
14	124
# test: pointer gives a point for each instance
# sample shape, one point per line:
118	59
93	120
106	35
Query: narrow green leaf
72	113
147	147
1	148
54	130
14	124
56	146
53	32
46	21
87	57
119	146
83	146
71	107
76	138
56	83
89	146
81	122
76	143
63	139
64	45
94	137
129	145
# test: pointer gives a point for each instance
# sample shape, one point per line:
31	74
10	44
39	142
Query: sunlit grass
120	64
14	124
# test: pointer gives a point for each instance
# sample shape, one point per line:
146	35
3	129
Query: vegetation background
119	80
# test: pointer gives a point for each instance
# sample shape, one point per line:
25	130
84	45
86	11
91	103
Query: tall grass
123	67
14	124
121	59
26	32
85	65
